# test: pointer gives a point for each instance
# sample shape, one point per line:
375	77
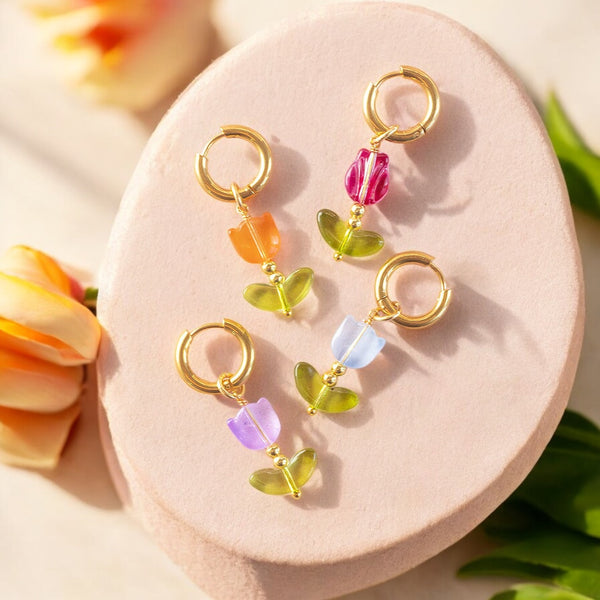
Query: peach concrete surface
451	418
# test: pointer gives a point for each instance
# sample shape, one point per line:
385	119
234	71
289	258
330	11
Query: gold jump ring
209	387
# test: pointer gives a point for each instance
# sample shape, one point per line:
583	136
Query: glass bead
367	179
352	242
328	399
283	296
256	425
256	239
286	480
355	344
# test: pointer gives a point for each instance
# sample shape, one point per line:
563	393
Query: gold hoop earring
256	239
355	344
256	425
367	179
389	306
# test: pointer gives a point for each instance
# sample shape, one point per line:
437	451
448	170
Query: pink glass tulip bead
368	178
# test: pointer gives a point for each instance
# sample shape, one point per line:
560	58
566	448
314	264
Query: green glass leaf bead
352	242
263	296
317	394
297	285
281	297
289	479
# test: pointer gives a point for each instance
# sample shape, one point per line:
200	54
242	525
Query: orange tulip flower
46	335
127	52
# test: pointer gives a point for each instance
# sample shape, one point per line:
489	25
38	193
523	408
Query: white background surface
64	165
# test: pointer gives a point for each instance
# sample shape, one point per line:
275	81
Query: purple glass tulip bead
368	178
256	425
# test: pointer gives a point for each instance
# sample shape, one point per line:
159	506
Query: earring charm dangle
355	344
256	425
367	179
256	239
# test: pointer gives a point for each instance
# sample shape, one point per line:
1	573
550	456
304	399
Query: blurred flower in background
127	52
46	336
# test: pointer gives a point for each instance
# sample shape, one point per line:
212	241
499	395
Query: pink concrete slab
452	418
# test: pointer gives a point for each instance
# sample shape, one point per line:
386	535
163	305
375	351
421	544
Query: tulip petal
34	440
35	266
55	315
32	384
129	52
20	339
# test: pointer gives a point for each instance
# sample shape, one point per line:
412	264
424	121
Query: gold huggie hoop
418	130
256	424
202	385
264	169
392	308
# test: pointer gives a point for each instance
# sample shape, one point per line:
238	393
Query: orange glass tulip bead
256	239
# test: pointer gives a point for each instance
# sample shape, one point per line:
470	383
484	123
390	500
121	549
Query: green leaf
581	167
537	592
560	549
565	482
577	434
565	485
568	559
561	493
579	581
90	293
576	442
574	420
514	520
508	567
90	298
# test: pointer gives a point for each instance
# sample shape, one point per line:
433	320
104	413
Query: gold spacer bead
273	450
311	410
286	313
337	368
280	461
358	210
329	379
297	494
338	256
354	223
276	278
269	267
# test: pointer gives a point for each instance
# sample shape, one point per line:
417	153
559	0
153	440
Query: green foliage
580	166
565	482
90	298
551	524
530	591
